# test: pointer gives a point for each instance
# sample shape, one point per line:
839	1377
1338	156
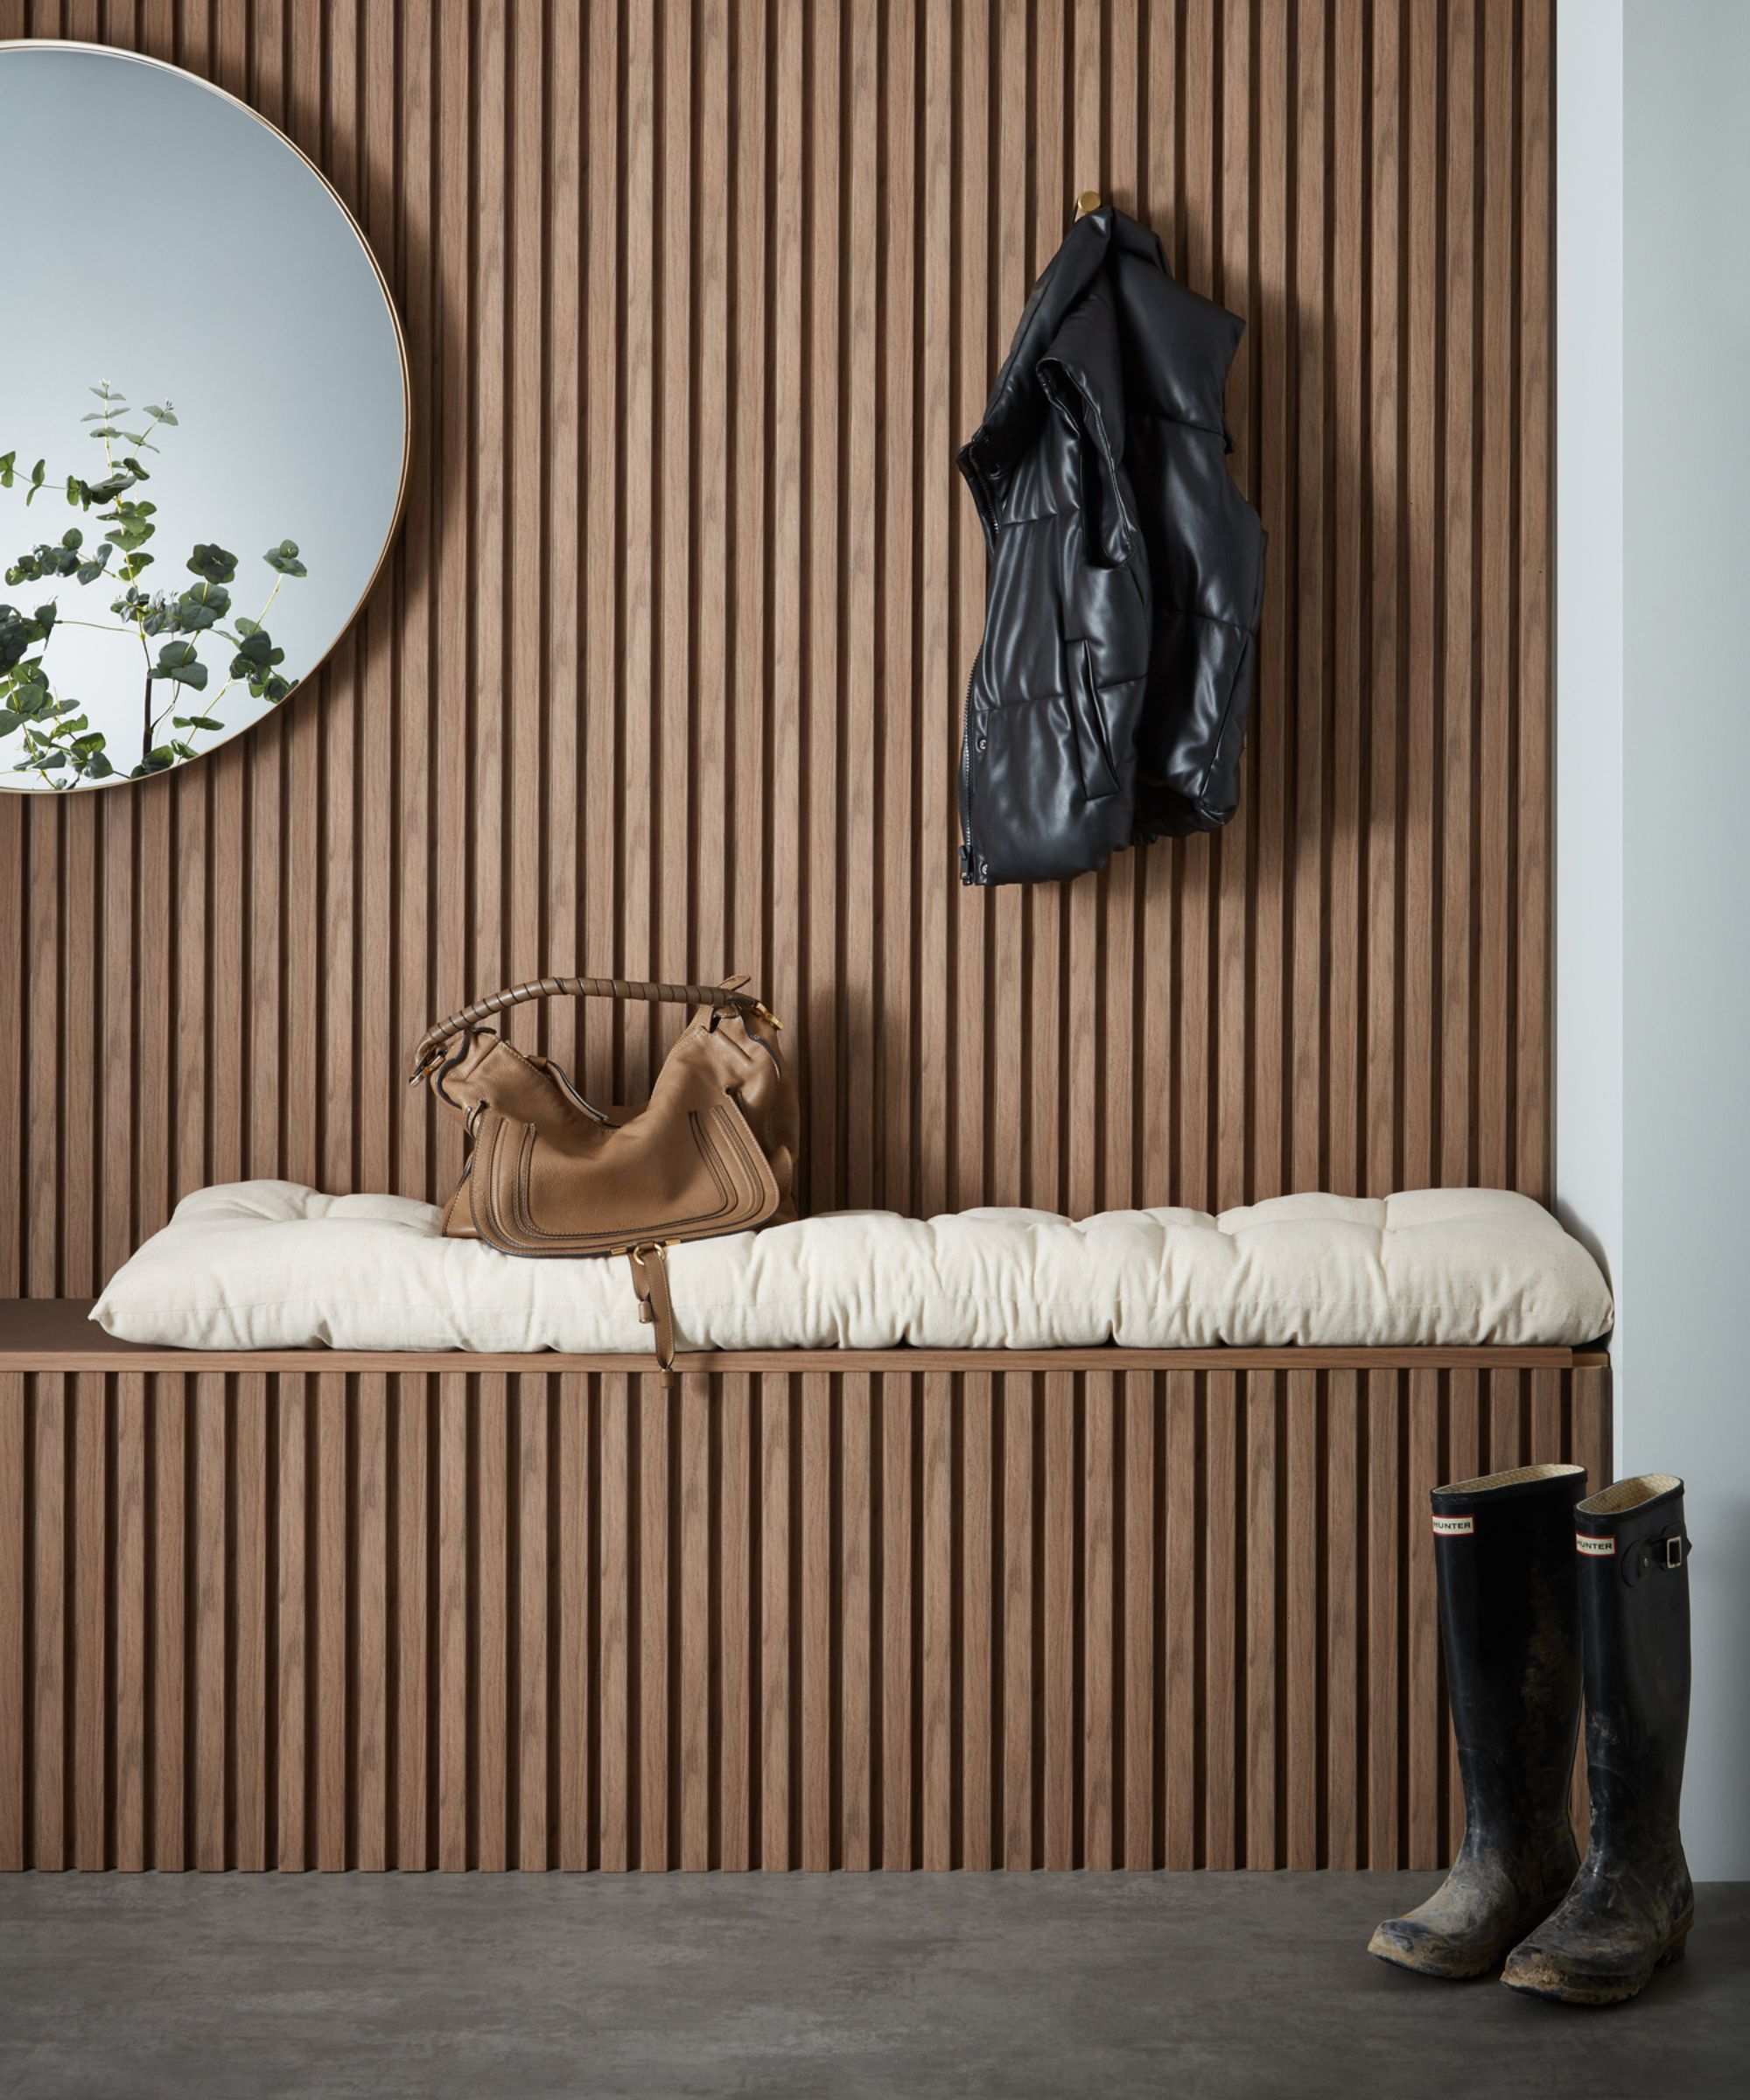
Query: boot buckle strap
1671	1552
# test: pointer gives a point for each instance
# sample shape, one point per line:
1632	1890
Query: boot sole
1582	1991
1445	1975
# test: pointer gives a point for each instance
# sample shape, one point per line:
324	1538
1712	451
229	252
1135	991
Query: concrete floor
671	1986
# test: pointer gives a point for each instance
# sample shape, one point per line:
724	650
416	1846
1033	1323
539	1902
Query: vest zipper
968	862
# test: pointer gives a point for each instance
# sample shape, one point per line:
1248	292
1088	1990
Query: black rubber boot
1630	1908
1509	1630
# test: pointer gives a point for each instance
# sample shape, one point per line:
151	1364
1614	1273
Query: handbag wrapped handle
425	1053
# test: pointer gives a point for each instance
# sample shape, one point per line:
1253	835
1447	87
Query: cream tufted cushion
269	1264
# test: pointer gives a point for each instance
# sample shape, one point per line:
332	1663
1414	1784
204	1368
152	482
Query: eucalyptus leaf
284	558
133	524
257	647
15	637
203	604
179	663
216	564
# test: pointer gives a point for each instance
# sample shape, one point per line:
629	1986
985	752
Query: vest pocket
1093	747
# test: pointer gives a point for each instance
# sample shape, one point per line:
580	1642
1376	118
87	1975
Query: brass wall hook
1088	201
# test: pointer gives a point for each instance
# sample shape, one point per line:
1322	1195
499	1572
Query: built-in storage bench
899	1609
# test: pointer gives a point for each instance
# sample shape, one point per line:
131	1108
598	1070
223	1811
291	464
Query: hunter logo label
1586	1543
1455	1527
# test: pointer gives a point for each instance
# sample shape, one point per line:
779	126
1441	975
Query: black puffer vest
1108	703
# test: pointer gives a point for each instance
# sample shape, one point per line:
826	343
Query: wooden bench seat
56	1333
907	1608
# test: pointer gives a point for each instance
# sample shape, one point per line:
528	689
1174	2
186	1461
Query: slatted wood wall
1061	1620
666	674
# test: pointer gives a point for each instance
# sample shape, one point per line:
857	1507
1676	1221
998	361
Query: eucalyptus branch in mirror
185	623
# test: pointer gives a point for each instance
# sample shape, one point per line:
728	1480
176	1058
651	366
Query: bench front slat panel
868	1619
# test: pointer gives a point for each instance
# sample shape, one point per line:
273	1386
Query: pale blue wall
1686	865
1668	861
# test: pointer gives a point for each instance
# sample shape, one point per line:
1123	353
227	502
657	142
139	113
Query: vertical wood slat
166	1441
450	1693
898	1665
412	1407
88	1610
814	1557
1219	1720
965	1618
1424	1742
938	1607
692	1844
367	1522
46	1499
1141	1665
612	1570
776	1710
572	1445
975	1494
736	1765
17	1696
489	1554
248	1519
128	1637
291	1631
858	1543
1301	1631
206	1648
1179	1777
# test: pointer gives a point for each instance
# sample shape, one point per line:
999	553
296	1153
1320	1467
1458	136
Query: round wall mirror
203	419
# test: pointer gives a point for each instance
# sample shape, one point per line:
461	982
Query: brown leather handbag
712	1151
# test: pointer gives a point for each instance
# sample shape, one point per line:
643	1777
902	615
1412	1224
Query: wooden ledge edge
57	1335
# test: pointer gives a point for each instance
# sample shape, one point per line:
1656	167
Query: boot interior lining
1511	1479
1628	1494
